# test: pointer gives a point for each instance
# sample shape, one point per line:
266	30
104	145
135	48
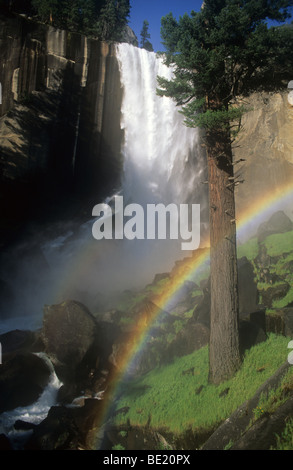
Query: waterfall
162	159
162	164
159	151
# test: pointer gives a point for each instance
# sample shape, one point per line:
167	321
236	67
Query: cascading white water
162	164
157	146
33	413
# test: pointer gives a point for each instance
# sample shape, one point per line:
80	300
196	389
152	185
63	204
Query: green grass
279	243
276	397
196	293
282	303
172	401
285	441
188	314
130	300
282	265
248	249
159	286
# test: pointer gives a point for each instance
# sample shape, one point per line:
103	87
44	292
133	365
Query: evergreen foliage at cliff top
104	19
225	51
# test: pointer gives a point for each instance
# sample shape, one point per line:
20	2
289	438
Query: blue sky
153	10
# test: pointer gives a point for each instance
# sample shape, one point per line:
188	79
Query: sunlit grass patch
248	249
179	396
279	243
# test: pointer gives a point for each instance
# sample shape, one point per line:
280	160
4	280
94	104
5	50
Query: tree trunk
224	324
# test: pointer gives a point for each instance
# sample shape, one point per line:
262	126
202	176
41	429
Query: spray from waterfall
162	164
158	150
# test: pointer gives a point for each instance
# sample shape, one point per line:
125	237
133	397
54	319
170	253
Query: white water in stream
33	413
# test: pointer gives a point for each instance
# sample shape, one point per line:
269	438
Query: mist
163	163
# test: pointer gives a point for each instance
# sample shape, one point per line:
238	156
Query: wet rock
68	333
21	425
274	293
5	443
262	435
20	340
231	431
66	428
202	311
23	377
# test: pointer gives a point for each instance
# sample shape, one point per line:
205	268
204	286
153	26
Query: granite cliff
60	133
266	145
60	117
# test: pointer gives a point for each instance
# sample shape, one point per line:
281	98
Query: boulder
20	340
66	428
288	318
23	377
159	277
250	334
68	332
280	322
191	338
202	311
248	293
278	223
233	430
274	292
263	260
275	323
259	318
262	435
5	443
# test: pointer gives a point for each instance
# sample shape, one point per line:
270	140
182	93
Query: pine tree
105	19
223	52
112	19
145	36
47	10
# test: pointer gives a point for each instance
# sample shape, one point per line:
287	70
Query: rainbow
134	343
263	207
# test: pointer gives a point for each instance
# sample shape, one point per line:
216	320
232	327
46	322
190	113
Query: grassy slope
280	248
172	399
178	402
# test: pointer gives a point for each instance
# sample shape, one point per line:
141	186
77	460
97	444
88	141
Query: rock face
266	144
59	118
68	334
23	377
247	288
238	432
279	222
